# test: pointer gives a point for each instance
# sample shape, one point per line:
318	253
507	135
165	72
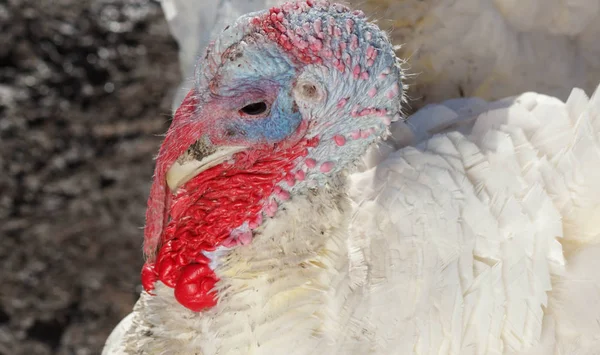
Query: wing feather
466	228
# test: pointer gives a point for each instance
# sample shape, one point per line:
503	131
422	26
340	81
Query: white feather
450	245
472	230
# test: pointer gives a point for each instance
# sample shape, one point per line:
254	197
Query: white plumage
482	213
480	239
471	230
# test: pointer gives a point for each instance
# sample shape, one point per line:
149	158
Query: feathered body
469	230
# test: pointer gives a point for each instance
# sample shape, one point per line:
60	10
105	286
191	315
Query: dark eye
254	109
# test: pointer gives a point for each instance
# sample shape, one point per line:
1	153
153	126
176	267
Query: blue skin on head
259	73
279	124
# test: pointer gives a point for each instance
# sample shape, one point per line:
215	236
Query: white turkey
293	211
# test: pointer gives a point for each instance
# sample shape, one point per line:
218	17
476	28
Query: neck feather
219	208
296	261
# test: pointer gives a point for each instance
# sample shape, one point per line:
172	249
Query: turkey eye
254	109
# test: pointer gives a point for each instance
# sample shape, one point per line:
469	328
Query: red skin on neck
178	138
207	209
204	213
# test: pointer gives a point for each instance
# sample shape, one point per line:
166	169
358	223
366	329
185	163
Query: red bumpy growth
206	210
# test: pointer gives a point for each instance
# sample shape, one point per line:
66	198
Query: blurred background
86	88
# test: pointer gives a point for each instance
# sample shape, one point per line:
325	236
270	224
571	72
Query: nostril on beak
197	151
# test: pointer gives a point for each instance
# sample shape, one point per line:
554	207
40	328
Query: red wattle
207	209
149	276
194	289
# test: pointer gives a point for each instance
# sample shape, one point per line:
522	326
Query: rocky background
85	91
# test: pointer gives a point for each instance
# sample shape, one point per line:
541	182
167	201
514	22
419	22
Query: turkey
294	211
485	48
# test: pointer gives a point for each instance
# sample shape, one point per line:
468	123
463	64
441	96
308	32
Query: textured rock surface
85	89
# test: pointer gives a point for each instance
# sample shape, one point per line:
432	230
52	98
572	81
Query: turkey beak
199	157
